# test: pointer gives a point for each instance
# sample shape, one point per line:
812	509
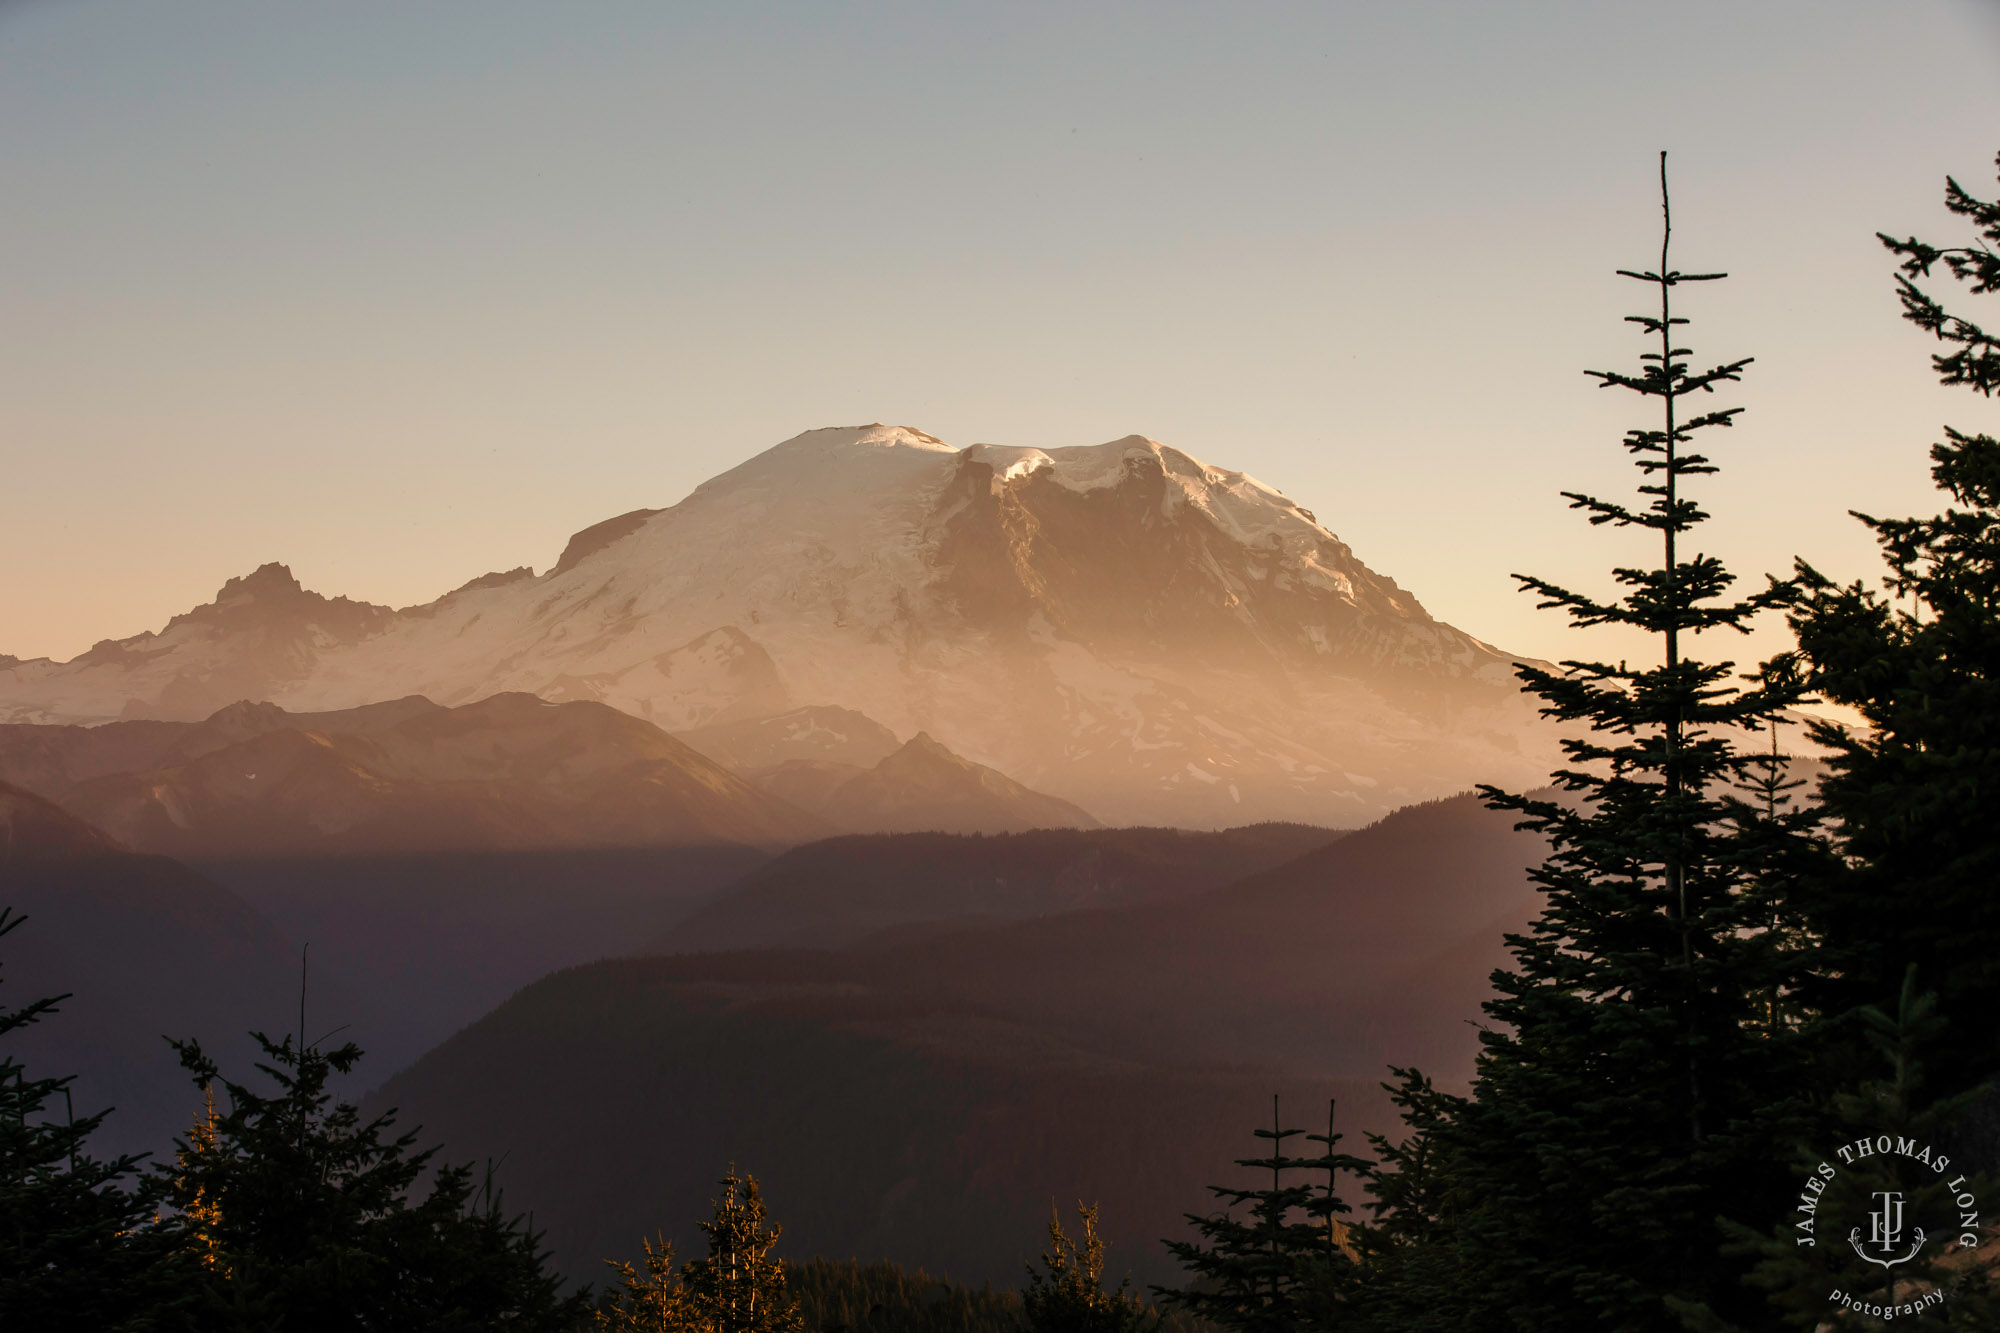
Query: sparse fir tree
305	1216
1067	1295
1327	1273
738	1287
1916	795
77	1248
1285	1265
199	1216
650	1296
1629	1081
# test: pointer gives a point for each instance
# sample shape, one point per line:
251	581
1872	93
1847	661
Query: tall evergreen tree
1615	1090
77	1250
307	1217
1915	795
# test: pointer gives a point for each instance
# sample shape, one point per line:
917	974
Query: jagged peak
267	580
270	596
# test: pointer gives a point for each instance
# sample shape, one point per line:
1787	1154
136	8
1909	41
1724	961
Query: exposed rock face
598	536
1121	626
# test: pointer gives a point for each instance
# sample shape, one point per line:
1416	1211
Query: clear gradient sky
400	293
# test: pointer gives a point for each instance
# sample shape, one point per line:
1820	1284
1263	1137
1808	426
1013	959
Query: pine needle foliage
650	1296
1410	1279
738	1286
76	1248
308	1217
1914	795
1067	1294
846	1296
1628	1057
1890	1097
1284	1265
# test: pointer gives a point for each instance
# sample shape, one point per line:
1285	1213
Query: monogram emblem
1885	1233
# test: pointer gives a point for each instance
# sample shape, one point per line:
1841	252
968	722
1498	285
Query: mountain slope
616	1095
921	787
1119	625
146	948
1122	1055
511	771
841	891
825	733
437	857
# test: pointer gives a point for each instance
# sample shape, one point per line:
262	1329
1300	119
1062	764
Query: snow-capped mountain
1120	625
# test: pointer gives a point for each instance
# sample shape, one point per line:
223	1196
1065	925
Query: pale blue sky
399	293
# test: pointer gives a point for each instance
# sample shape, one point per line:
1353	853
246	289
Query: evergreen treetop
1914	794
738	1284
1068	1295
1285	1265
303	1213
736	1288
76	1250
1629	1052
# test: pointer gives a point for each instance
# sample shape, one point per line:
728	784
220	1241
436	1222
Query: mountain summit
1120	625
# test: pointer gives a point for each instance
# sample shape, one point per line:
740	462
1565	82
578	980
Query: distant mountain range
1121	627
510	772
440	857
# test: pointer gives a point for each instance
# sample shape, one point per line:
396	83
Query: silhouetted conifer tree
1284	1266
1410	1268
305	1217
77	1250
1628	1065
1894	1100
1916	797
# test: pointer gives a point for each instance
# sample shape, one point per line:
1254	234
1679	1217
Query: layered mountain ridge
1120	626
510	772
